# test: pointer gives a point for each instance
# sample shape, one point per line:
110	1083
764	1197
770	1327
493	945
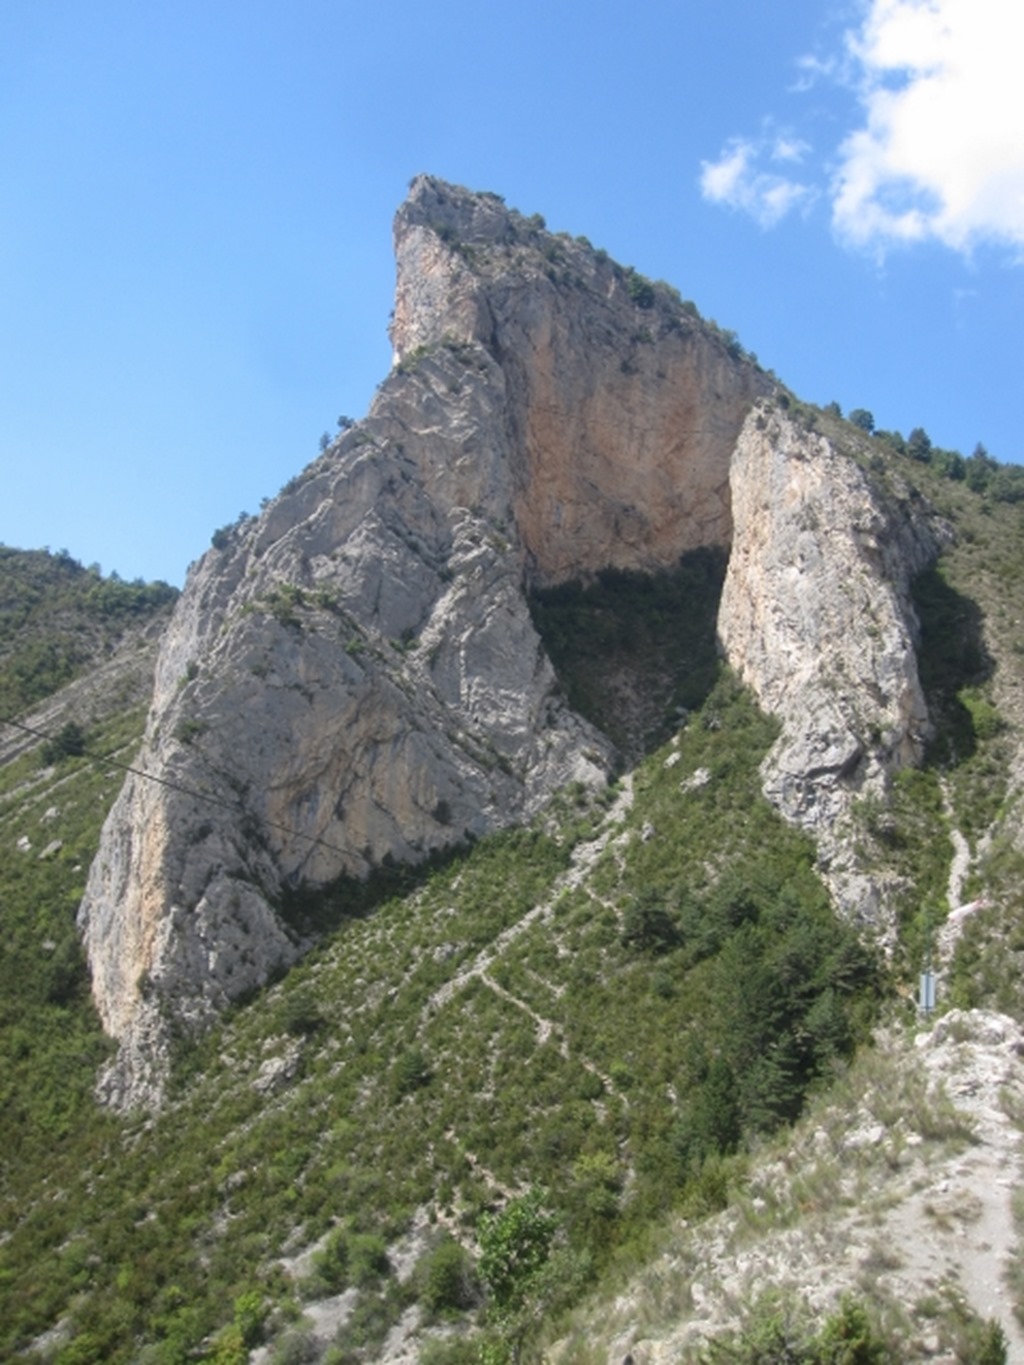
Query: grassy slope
558	1057
681	989
57	617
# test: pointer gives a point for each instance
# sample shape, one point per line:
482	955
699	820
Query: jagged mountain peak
621	406
477	217
354	677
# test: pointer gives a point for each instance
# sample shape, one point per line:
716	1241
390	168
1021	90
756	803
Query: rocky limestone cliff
816	618
622	409
354	677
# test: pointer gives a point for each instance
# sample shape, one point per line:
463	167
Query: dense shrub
514	1245
68	742
446	1280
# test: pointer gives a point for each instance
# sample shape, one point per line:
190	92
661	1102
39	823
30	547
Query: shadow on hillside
951	656
313	911
634	651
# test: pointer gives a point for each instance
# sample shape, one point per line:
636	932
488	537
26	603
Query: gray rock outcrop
817	619
354	676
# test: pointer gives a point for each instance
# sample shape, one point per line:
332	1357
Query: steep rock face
354	676
816	618
622	410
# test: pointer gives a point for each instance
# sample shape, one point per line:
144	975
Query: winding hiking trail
584	858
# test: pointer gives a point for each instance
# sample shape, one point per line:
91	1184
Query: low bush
446	1279
779	1332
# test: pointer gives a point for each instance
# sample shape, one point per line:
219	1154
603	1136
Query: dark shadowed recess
314	911
951	656
634	651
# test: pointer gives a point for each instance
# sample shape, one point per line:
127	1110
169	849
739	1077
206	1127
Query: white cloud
789	149
738	178
941	152
936	151
812	70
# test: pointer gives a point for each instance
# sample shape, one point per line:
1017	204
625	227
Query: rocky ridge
354	676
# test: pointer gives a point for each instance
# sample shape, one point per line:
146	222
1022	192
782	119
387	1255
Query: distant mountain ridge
57	619
73	644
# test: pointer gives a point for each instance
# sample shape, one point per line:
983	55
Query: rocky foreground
899	1190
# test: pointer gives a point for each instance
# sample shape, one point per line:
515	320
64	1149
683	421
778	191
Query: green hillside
525	1016
475	1100
57	618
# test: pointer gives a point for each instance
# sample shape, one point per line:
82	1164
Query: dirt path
965	1217
584	857
902	1194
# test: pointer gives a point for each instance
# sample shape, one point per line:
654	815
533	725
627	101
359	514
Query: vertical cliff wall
816	618
622	407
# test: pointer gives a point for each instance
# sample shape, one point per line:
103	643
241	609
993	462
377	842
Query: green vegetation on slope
603	1036
973	664
50	1039
57	617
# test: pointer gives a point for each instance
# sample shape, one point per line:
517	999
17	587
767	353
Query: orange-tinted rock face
623	407
628	468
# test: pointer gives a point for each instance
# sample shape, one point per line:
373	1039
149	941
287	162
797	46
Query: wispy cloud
937	150
811	70
744	178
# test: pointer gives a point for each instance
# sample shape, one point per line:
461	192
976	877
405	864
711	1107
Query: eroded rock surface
816	618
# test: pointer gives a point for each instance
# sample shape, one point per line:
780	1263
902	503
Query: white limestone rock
816	618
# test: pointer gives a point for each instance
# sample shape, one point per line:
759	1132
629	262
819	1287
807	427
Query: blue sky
196	204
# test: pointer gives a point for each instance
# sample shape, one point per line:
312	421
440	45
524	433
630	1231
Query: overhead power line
235	809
